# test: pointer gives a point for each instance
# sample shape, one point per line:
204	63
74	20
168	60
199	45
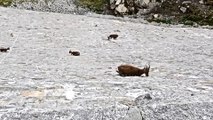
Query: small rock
155	15
112	1
143	11
201	2
183	9
117	31
112	6
186	2
147	96
11	34
121	8
118	2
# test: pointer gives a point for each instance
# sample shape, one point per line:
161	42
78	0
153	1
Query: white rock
201	2
183	9
155	15
144	1
118	2
121	8
112	1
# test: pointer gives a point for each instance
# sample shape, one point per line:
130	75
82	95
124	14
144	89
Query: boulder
130	6
121	8
183	9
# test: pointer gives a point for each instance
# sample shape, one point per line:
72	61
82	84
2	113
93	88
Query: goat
74	53
114	36
4	49
129	70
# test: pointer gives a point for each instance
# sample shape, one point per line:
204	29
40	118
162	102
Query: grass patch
165	21
93	5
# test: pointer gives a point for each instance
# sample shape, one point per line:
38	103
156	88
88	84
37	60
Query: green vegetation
21	1
198	15
93	5
195	14
165	21
5	3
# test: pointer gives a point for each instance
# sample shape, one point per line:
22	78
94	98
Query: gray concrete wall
40	80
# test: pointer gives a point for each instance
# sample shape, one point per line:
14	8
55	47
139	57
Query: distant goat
4	49
129	70
114	36
74	53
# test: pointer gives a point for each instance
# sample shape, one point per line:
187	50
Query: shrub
94	5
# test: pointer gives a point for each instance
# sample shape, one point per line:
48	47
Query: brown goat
114	36
4	49
129	70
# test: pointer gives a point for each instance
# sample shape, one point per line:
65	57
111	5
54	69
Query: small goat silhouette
114	36
74	53
4	49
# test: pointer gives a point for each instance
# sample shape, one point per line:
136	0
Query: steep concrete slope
40	80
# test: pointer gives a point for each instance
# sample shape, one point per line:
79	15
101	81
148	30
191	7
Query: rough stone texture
183	9
121	8
40	80
131	7
58	6
188	12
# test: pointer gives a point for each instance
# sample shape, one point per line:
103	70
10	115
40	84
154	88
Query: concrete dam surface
41	80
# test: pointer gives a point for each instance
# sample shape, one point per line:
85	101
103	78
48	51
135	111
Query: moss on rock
93	5
195	13
5	3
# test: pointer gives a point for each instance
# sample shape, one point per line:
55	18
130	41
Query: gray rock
144	2
201	1
143	11
147	96
187	2
183	9
112	1
118	2
121	8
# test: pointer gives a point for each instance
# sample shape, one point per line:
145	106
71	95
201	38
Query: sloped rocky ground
58	6
40	80
188	12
